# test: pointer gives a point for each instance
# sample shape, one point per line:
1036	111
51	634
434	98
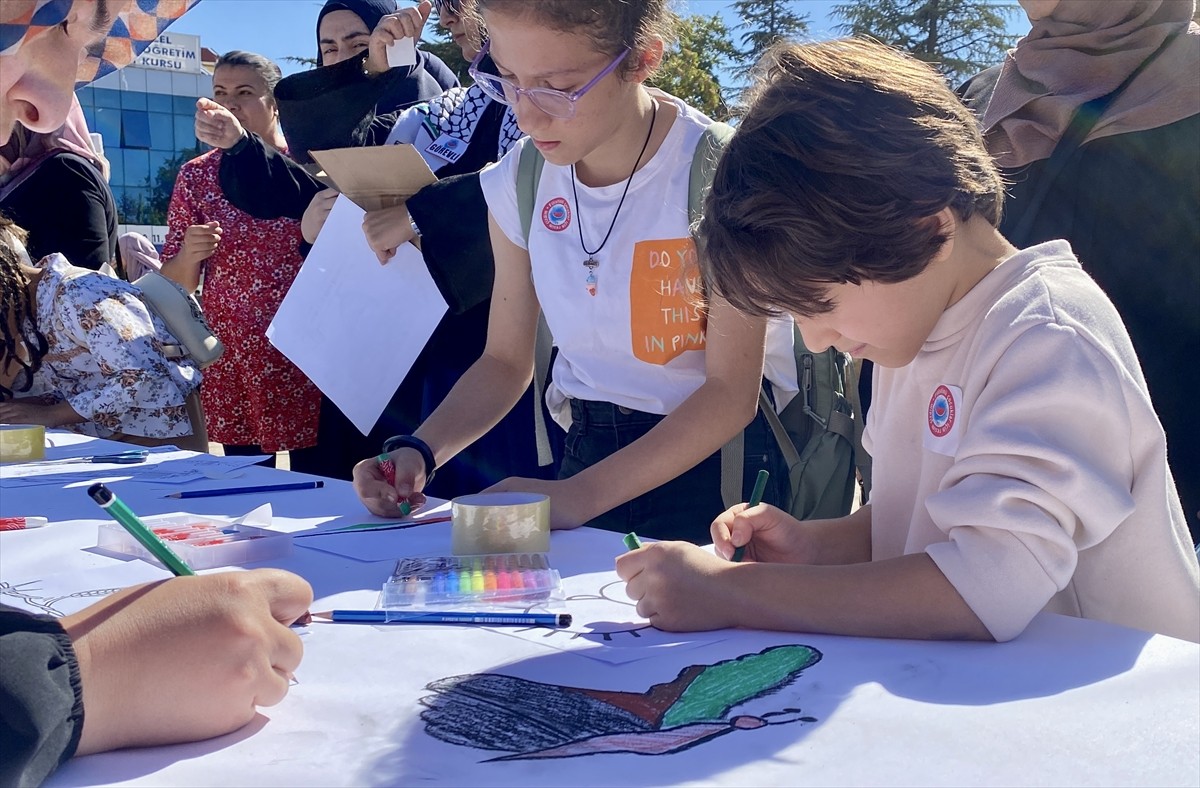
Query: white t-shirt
638	342
1021	451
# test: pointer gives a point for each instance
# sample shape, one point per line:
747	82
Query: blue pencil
447	617
245	490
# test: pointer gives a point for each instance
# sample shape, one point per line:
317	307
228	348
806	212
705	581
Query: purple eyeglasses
558	103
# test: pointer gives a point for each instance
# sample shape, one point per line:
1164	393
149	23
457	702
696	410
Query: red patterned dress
253	395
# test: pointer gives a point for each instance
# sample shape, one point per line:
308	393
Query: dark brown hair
845	154
16	308
612	25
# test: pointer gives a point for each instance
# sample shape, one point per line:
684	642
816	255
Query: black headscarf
369	11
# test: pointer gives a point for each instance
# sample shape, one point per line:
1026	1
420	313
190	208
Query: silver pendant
590	283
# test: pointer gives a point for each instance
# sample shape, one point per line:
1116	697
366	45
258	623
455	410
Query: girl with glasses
650	381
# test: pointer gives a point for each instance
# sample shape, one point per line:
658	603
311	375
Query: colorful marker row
472	578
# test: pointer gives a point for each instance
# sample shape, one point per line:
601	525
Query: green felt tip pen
130	522
631	540
760	486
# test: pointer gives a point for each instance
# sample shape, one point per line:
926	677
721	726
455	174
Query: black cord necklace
591	263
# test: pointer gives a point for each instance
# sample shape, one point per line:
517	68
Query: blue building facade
145	114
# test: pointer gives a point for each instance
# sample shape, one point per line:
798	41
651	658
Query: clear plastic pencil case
202	541
475	582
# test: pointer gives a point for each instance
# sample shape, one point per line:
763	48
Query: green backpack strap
704	164
529	172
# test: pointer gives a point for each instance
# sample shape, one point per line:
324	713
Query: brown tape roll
22	442
504	522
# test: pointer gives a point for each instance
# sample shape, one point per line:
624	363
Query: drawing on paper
47	605
585	628
531	719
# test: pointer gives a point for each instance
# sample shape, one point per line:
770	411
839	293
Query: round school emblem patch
941	412
557	215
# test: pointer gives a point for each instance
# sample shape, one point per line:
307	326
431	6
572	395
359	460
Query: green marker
760	486
631	540
130	522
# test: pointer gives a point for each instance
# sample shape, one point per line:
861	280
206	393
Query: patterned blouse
106	356
253	396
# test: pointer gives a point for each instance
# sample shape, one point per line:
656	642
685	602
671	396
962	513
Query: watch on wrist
413	442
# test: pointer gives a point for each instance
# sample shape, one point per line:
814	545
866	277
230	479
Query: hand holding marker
388	468
632	542
760	486
150	540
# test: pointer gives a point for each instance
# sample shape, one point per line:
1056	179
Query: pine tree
961	37
690	66
765	22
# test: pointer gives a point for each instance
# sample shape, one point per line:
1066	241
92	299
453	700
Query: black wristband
412	442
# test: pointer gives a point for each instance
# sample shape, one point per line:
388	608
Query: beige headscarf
138	255
1085	49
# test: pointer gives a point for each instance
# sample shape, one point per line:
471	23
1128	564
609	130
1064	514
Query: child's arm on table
482	396
681	587
725	403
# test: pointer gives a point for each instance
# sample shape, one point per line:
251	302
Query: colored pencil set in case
505	580
202	542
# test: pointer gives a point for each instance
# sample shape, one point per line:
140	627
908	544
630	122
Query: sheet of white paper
402	53
172	466
429	539
69	592
605	625
353	326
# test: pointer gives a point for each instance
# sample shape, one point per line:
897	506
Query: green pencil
130	522
760	486
631	541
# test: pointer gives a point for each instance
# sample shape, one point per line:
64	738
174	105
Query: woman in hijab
1127	196
55	186
321	108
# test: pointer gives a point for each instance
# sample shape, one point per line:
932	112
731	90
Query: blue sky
278	28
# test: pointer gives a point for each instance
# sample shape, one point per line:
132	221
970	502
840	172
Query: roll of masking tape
22	442
503	522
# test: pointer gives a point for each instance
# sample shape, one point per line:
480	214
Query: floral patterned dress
105	356
253	395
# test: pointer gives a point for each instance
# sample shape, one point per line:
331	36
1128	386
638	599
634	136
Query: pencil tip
327	615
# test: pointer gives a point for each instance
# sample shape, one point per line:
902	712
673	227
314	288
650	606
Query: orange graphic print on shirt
664	293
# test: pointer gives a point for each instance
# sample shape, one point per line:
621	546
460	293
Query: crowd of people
1010	258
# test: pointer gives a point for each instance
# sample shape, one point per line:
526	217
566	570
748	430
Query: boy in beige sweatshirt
1018	462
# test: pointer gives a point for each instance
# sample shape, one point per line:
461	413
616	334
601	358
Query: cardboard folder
375	177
